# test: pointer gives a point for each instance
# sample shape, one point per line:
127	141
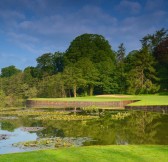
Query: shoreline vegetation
115	153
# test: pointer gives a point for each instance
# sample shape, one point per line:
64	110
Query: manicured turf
150	100
144	99
92	98
131	153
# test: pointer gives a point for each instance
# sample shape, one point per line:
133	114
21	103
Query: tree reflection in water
136	127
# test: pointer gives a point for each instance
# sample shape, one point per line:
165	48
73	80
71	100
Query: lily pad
32	129
57	142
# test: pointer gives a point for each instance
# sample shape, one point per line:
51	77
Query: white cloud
84	20
22	36
60	29
54	30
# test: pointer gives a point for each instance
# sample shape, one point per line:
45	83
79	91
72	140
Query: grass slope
150	100
144	99
131	153
88	98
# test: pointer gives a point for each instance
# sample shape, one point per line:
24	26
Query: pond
73	128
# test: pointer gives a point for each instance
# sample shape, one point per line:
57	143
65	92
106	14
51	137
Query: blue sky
30	28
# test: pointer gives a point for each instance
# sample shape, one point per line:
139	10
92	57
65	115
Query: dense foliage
90	66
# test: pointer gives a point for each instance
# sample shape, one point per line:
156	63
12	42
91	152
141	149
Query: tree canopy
9	71
90	66
91	46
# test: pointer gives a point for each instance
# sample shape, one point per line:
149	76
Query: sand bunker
113	96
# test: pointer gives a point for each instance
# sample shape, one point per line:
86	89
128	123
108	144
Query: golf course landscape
127	152
94	153
84	81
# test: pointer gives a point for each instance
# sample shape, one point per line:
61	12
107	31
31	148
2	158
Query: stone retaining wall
155	108
68	104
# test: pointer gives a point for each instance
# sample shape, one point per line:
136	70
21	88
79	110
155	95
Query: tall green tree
49	64
120	68
2	99
161	56
142	76
51	86
120	53
45	64
91	46
106	70
73	78
161	52
95	48
30	76
157	44
153	40
9	71
89	73
58	62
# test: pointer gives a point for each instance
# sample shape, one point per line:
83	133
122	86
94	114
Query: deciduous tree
9	71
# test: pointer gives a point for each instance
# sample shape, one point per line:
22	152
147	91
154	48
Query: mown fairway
144	99
132	153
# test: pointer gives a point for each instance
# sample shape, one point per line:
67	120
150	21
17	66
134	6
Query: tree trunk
74	90
63	94
91	90
142	78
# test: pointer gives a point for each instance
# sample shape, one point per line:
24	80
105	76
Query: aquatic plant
120	115
91	109
56	142
32	129
66	117
32	112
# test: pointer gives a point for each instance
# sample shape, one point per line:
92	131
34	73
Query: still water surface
111	128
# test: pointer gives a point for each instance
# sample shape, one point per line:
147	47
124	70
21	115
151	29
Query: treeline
90	66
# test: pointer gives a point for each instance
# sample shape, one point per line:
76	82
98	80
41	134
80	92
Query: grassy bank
88	98
150	100
144	99
131	153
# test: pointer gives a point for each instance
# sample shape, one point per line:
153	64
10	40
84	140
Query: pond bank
154	108
69	104
128	102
